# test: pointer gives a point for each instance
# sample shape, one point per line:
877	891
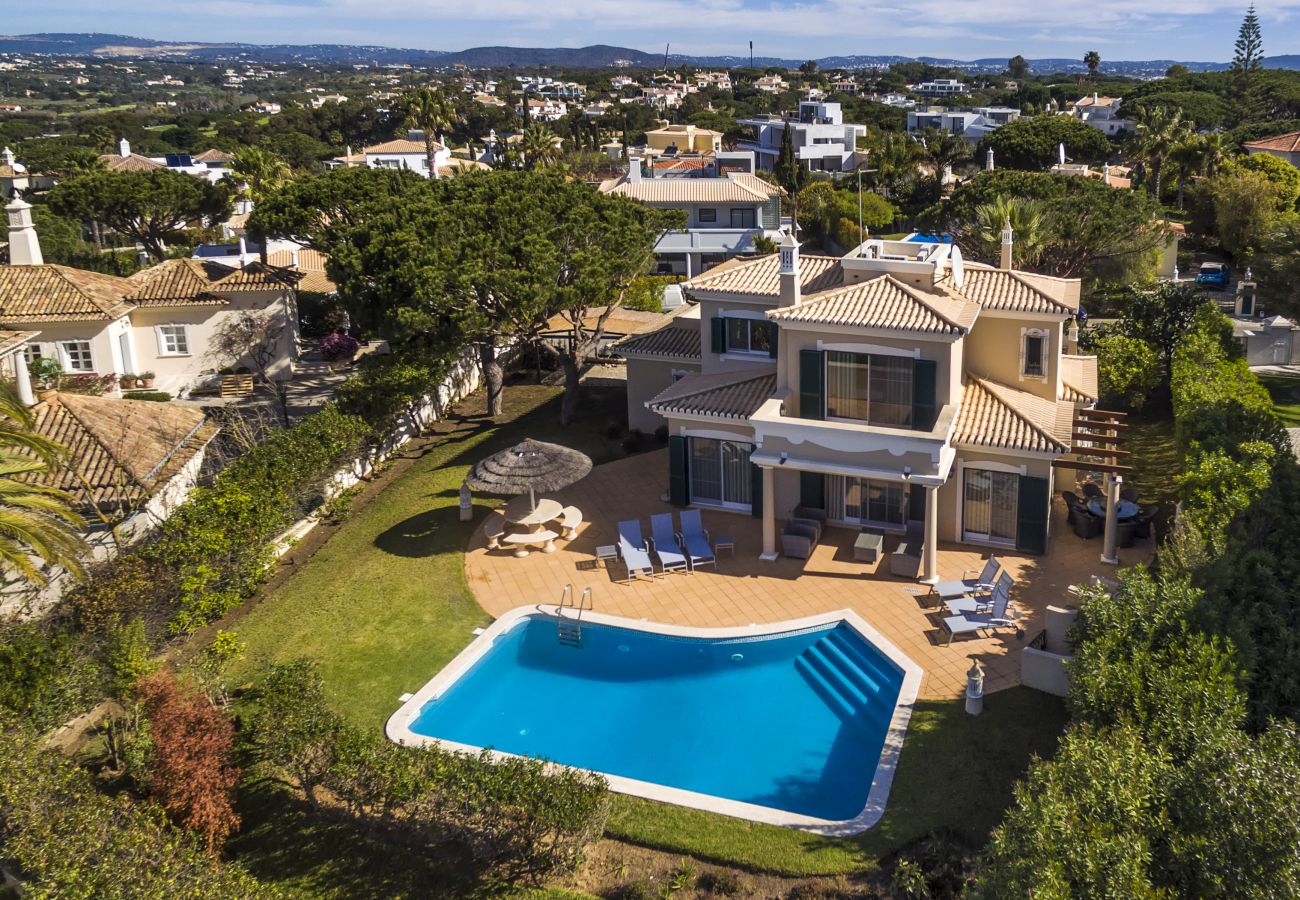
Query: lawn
1285	392
383	605
1155	461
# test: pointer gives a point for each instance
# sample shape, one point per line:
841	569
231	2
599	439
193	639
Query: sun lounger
633	551
973	623
671	557
981	603
695	539
967	585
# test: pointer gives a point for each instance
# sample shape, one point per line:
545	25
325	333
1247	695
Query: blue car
1214	275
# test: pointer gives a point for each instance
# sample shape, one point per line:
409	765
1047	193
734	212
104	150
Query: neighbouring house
547	109
309	265
725	214
1283	146
1102	113
400	153
971	124
719	80
212	165
771	84
126	161
898	385
1115	176
682	139
822	141
1270	341
620	324
941	87
168	319
14	176
267	108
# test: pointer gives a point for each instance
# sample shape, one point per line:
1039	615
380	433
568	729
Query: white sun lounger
977	622
980	584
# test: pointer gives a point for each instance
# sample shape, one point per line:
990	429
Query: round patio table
1126	509
520	511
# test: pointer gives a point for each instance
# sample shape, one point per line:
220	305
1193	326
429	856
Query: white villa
941	87
822	142
166	319
972	124
1102	113
725	213
897	385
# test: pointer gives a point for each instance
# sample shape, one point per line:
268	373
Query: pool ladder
569	630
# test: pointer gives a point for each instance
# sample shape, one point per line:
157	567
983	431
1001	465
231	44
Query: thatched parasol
528	467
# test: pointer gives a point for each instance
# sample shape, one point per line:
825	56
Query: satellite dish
958	268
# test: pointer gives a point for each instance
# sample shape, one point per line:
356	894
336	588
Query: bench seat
521	542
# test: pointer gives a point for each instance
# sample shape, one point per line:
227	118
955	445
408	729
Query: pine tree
1249	49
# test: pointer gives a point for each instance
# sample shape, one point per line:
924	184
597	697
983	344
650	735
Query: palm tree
258	172
537	145
946	149
1158	132
1092	59
1026	218
429	111
35	521
1188	160
1215	150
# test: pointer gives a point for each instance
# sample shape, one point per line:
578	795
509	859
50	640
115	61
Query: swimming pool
795	724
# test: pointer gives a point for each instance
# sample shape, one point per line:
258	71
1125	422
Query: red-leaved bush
191	773
339	347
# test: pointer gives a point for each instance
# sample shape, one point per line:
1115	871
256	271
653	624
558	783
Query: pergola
1096	440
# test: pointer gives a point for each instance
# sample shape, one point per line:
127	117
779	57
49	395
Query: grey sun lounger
696	540
980	584
981	603
632	550
671	557
973	623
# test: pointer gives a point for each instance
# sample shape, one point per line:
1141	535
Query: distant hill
597	56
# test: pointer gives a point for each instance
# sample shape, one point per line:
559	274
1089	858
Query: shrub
339	346
151	396
387	387
1128	369
47	674
718	883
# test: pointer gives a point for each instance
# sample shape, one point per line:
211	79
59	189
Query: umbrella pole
532	499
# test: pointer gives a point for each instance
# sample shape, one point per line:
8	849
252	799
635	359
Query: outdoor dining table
1126	509
521	511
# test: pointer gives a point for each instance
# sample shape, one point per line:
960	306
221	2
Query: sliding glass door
989	506
720	473
865	501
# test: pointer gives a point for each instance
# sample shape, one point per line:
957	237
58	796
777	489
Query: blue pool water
930	238
792	721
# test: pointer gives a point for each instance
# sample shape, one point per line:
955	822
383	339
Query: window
32	352
742	218
989	507
720	472
173	340
866	501
749	336
76	356
1033	353
708	215
871	388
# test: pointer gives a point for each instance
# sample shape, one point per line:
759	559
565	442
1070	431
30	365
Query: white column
930	549
23	380
769	515
1109	553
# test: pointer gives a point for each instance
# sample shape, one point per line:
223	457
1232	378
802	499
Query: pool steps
845	679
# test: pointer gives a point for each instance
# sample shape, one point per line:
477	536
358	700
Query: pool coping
398	727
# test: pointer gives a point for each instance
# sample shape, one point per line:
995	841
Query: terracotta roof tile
725	189
311	268
12	340
761	276
190	282
115	162
1282	143
1008	290
724	395
998	417
669	342
884	302
208	156
50	293
401	145
1078	377
120	451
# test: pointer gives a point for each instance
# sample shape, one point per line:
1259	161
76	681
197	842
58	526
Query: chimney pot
124	148
791	290
1008	239
24	243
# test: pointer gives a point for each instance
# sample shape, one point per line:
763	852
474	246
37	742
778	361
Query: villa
896	385
822	141
1102	113
971	124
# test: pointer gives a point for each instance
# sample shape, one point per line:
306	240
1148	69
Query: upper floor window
1033	352
173	340
76	356
708	215
872	388
742	218
749	336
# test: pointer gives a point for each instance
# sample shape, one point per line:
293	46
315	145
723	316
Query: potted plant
146	379
45	372
126	380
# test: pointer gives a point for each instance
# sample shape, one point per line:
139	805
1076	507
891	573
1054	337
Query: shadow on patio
745	590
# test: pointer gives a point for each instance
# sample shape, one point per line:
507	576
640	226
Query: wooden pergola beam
1083	466
1094	423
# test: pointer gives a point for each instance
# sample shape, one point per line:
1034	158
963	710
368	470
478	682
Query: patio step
872	668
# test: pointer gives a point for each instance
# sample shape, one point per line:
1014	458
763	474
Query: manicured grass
383	605
1285	392
956	771
1155	460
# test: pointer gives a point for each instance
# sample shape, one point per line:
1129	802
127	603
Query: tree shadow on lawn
434	531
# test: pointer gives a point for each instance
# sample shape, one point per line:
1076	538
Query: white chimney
791	292
1008	237
988	160
1095	98
293	257
634	169
124	148
1072	337
24	245
1105	173
243	252
6	157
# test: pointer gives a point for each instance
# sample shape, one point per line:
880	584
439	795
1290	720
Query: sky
1197	30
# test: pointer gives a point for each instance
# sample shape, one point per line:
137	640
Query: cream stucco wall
645	379
950	494
105	350
993	351
204	324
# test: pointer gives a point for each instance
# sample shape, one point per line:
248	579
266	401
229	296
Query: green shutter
678	487
812	393
1032	507
923	394
719	334
916	503
812	490
773	336
755	491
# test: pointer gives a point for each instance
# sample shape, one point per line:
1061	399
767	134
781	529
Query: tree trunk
572	387
487	357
